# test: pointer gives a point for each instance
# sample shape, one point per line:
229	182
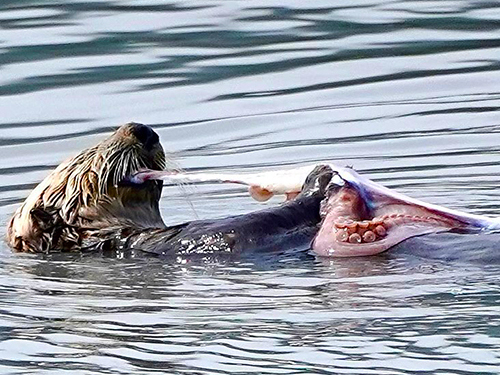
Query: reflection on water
405	91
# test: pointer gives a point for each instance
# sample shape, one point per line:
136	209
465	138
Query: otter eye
145	135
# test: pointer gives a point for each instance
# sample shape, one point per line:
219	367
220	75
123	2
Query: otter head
83	204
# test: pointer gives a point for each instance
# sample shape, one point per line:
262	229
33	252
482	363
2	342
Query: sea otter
84	204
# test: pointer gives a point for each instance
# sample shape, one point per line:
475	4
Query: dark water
407	92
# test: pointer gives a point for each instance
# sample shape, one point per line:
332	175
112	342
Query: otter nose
145	135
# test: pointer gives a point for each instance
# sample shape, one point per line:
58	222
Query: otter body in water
82	205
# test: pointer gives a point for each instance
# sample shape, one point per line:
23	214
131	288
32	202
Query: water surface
407	92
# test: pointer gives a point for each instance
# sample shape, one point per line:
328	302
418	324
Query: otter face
82	203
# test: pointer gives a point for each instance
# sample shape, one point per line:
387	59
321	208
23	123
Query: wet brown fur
81	205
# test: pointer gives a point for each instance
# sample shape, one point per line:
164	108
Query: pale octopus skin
359	217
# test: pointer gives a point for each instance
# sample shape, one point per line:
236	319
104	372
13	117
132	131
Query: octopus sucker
260	194
380	230
364	224
342	236
367	231
359	231
355	238
352	228
369	236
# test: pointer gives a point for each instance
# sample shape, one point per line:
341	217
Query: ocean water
407	92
